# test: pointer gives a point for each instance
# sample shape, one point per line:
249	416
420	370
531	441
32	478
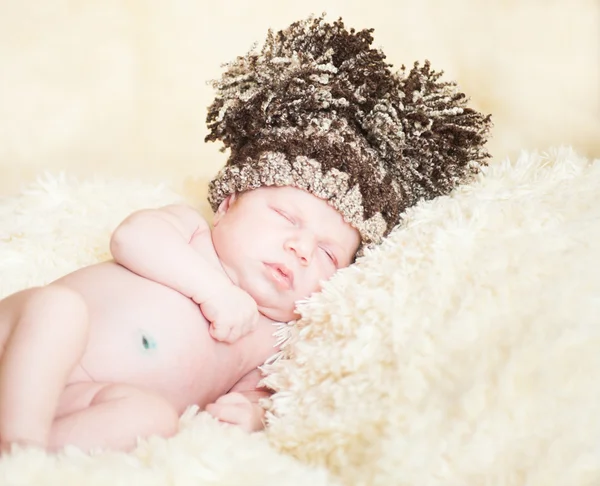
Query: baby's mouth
281	275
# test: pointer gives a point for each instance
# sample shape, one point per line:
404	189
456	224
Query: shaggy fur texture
463	351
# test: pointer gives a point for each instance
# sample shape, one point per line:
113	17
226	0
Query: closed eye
330	255
285	215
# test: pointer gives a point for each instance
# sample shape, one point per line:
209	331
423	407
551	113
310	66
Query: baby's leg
110	416
48	329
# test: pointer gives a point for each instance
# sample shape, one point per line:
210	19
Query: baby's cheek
315	280
317	285
326	274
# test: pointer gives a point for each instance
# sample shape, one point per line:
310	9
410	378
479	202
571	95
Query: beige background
118	87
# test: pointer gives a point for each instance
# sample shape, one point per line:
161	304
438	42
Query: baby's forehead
300	199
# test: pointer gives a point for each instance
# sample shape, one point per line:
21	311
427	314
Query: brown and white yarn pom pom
318	108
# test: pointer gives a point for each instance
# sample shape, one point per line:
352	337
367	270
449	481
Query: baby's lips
281	275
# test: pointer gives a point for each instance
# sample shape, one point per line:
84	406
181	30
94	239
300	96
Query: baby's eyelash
330	255
284	214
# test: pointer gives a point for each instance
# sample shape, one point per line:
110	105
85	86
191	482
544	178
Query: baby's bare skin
145	334
183	315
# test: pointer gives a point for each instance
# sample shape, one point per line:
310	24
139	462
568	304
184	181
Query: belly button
147	342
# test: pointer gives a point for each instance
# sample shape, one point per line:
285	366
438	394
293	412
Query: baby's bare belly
148	335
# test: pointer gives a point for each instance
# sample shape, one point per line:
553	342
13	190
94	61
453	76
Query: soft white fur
465	350
462	351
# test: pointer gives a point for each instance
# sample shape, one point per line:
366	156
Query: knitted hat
317	108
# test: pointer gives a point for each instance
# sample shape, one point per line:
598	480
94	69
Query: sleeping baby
327	148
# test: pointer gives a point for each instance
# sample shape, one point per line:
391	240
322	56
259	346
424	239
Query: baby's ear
223	208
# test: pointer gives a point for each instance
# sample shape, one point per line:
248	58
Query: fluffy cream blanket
463	351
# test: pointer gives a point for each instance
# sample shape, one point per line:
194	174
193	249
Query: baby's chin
270	304
278	315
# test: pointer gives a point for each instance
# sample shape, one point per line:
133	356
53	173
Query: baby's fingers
227	334
250	324
221	332
232	333
233	398
228	413
241	331
236	409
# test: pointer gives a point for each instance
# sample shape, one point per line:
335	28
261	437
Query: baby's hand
236	409
232	314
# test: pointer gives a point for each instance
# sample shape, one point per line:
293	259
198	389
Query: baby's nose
304	247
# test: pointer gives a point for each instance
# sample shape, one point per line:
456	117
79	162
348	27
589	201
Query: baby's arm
240	406
155	243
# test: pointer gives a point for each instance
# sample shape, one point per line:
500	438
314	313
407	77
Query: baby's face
280	244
